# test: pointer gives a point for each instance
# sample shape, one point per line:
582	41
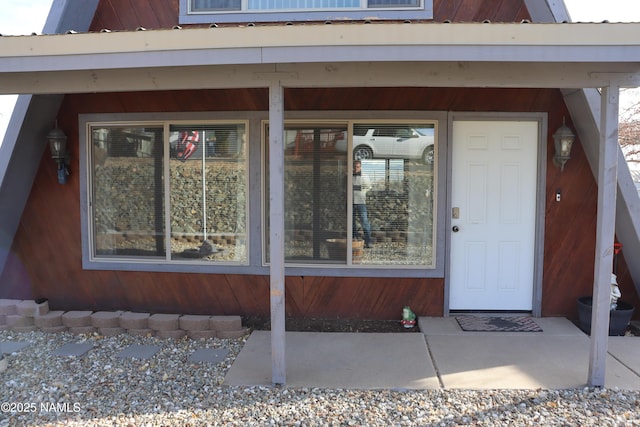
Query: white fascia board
443	53
321	43
129	60
323	54
346	74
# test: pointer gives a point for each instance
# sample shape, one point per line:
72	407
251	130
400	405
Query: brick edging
31	315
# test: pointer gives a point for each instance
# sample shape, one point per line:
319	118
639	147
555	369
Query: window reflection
400	211
315	195
208	192
127	167
389	180
207	197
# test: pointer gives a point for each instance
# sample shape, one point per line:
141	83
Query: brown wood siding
131	14
153	14
45	259
478	11
47	253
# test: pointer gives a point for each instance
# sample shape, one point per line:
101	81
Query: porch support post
276	231
605	232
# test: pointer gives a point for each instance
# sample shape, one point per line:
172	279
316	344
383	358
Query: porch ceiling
418	54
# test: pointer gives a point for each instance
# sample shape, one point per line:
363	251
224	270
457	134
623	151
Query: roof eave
318	43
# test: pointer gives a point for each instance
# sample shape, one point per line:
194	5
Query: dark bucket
618	319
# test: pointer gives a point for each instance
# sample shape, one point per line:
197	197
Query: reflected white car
397	142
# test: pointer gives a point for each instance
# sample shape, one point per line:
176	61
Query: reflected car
391	142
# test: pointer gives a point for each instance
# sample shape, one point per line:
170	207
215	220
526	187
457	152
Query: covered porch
589	57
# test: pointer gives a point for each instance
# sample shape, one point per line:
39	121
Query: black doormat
497	324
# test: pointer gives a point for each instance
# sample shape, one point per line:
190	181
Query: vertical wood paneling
131	14
105	18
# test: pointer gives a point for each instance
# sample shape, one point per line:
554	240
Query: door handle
455	229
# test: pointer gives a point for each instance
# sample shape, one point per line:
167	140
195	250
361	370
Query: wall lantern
563	140
58	145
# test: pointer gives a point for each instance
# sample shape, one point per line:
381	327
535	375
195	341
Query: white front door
493	215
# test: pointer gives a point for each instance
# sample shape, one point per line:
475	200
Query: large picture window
169	191
360	194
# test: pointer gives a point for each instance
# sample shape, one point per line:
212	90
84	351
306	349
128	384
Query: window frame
255	183
89	257
422	12
264	195
350	118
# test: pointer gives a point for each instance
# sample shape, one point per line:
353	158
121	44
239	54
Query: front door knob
455	228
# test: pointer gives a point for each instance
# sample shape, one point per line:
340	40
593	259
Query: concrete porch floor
441	357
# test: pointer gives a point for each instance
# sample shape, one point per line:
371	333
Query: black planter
618	319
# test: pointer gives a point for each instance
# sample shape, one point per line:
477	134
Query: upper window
209	11
168	192
271	5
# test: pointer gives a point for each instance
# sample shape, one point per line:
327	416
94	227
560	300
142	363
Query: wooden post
276	231
605	232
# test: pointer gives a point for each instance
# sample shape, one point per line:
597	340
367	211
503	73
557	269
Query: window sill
379	271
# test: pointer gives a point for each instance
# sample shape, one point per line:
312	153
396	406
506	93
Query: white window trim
422	12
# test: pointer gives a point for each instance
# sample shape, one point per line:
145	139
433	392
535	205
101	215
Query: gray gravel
100	389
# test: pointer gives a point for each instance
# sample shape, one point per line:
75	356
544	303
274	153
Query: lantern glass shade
563	141
565	146
57	143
